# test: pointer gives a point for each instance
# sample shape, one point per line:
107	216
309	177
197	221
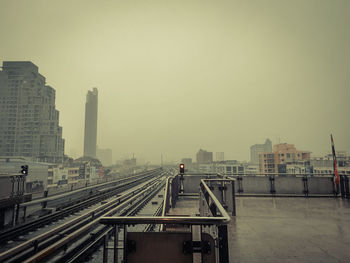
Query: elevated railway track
80	236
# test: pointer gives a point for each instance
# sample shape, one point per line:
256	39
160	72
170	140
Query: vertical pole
342	186
125	243
306	186
223	244
223	197
13	215
105	249
115	244
17	213
200	238
24	213
44	204
196	236
346	180
13	180
233	199
18	186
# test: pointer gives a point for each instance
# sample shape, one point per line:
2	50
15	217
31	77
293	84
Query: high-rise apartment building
259	148
90	132
28	117
204	157
281	155
219	156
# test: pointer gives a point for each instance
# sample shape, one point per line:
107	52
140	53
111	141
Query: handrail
215	200
181	220
259	174
165	196
178	220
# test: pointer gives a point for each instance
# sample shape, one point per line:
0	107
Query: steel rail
28	244
81	231
86	248
96	242
143	202
158	212
116	182
19	230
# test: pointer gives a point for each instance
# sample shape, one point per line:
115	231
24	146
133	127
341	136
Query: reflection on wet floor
290	230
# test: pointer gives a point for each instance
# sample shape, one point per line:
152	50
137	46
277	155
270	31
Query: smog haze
177	76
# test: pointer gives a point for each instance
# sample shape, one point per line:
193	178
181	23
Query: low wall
279	185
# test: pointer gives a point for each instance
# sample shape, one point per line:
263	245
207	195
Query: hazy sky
176	76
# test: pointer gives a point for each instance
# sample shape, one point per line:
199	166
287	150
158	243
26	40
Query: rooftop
290	230
295	229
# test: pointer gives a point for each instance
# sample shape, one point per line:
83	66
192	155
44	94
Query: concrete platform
284	229
290	230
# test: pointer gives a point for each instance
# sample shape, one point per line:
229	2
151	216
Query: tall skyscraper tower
90	134
29	121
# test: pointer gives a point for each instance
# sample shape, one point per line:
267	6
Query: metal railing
219	216
307	185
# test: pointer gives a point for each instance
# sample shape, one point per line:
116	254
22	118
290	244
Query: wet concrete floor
285	229
290	230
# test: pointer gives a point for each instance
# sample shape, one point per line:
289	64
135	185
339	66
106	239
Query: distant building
282	154
206	168
90	132
85	168
130	162
187	162
343	160
105	156
232	167
328	171
324	165
259	148
219	156
251	169
204	157
28	116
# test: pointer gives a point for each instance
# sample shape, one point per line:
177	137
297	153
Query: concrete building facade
219	156
204	157
282	154
28	116
230	167
90	131
259	148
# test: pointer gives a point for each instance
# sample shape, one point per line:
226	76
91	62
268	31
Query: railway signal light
182	168
24	169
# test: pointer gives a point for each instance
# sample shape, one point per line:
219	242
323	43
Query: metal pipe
180	220
215	200
115	248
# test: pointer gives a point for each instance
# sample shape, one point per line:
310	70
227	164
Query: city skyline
174	79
